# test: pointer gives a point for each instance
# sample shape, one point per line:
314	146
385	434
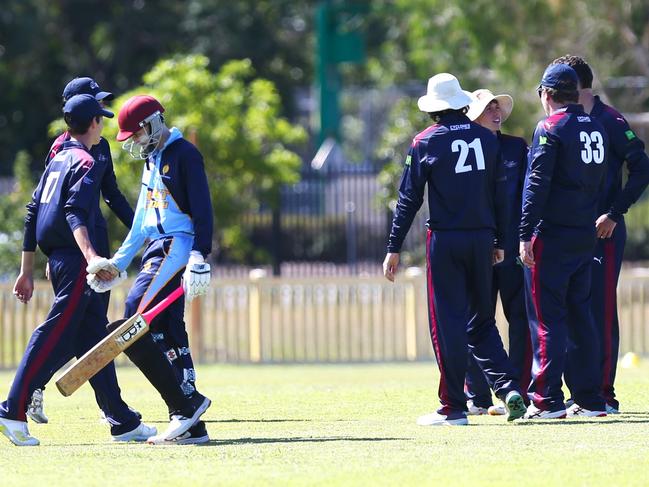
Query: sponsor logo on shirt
510	164
87	180
463	126
583	119
157	198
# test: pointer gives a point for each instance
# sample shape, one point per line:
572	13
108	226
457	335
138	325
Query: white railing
308	320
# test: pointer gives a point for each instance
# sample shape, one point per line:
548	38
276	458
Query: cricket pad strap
148	357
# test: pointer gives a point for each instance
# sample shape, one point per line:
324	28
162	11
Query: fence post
256	276
412	273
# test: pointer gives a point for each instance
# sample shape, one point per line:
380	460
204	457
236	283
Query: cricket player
110	193
460	163
174	213
61	219
491	111
615	200
567	163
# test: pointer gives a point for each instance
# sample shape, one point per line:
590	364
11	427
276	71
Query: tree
235	119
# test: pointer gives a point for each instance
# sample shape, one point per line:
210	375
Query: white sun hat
482	98
444	93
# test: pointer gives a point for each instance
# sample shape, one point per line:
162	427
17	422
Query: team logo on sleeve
543	140
630	135
408	159
165	169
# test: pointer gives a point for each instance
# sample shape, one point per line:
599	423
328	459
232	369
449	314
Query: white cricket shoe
497	410
196	435
437	419
36	409
180	423
577	410
612	410
142	433
473	410
17	432
535	413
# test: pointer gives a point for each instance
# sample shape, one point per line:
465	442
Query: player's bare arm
83	241
390	265
24	286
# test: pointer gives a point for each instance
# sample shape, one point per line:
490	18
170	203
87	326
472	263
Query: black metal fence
330	223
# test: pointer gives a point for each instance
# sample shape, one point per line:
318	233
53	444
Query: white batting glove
97	264
196	278
100	286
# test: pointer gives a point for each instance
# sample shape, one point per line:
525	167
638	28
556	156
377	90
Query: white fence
308	320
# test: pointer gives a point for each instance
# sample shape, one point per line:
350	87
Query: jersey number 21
463	148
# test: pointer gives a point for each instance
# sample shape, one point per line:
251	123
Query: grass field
332	425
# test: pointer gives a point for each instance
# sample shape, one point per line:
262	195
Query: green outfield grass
332	425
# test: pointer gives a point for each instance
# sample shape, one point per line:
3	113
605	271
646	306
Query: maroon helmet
140	112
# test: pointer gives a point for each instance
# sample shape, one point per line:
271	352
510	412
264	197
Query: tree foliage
235	120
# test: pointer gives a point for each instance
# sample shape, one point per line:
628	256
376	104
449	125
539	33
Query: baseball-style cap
82	108
85	85
560	77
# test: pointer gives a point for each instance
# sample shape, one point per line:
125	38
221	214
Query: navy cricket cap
560	77
83	108
88	86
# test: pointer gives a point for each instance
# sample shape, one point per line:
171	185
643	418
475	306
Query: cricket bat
127	333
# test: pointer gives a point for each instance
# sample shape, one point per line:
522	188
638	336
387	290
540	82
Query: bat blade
102	354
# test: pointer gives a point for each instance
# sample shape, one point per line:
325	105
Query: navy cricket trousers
163	263
605	268
508	281
559	287
461	314
75	323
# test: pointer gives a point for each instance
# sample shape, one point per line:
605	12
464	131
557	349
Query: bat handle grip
162	305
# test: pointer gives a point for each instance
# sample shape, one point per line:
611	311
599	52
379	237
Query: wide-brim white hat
482	98
444	93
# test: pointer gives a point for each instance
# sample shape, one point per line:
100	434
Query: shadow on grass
296	439
601	421
217	421
233	420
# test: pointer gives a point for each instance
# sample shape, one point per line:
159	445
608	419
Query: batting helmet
140	112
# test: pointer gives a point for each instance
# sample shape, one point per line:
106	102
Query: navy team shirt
514	155
460	161
567	162
66	198
624	145
109	189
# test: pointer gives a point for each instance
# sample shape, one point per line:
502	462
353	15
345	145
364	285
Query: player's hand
527	254
102	268
24	287
102	285
499	256
197	275
390	265
605	226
